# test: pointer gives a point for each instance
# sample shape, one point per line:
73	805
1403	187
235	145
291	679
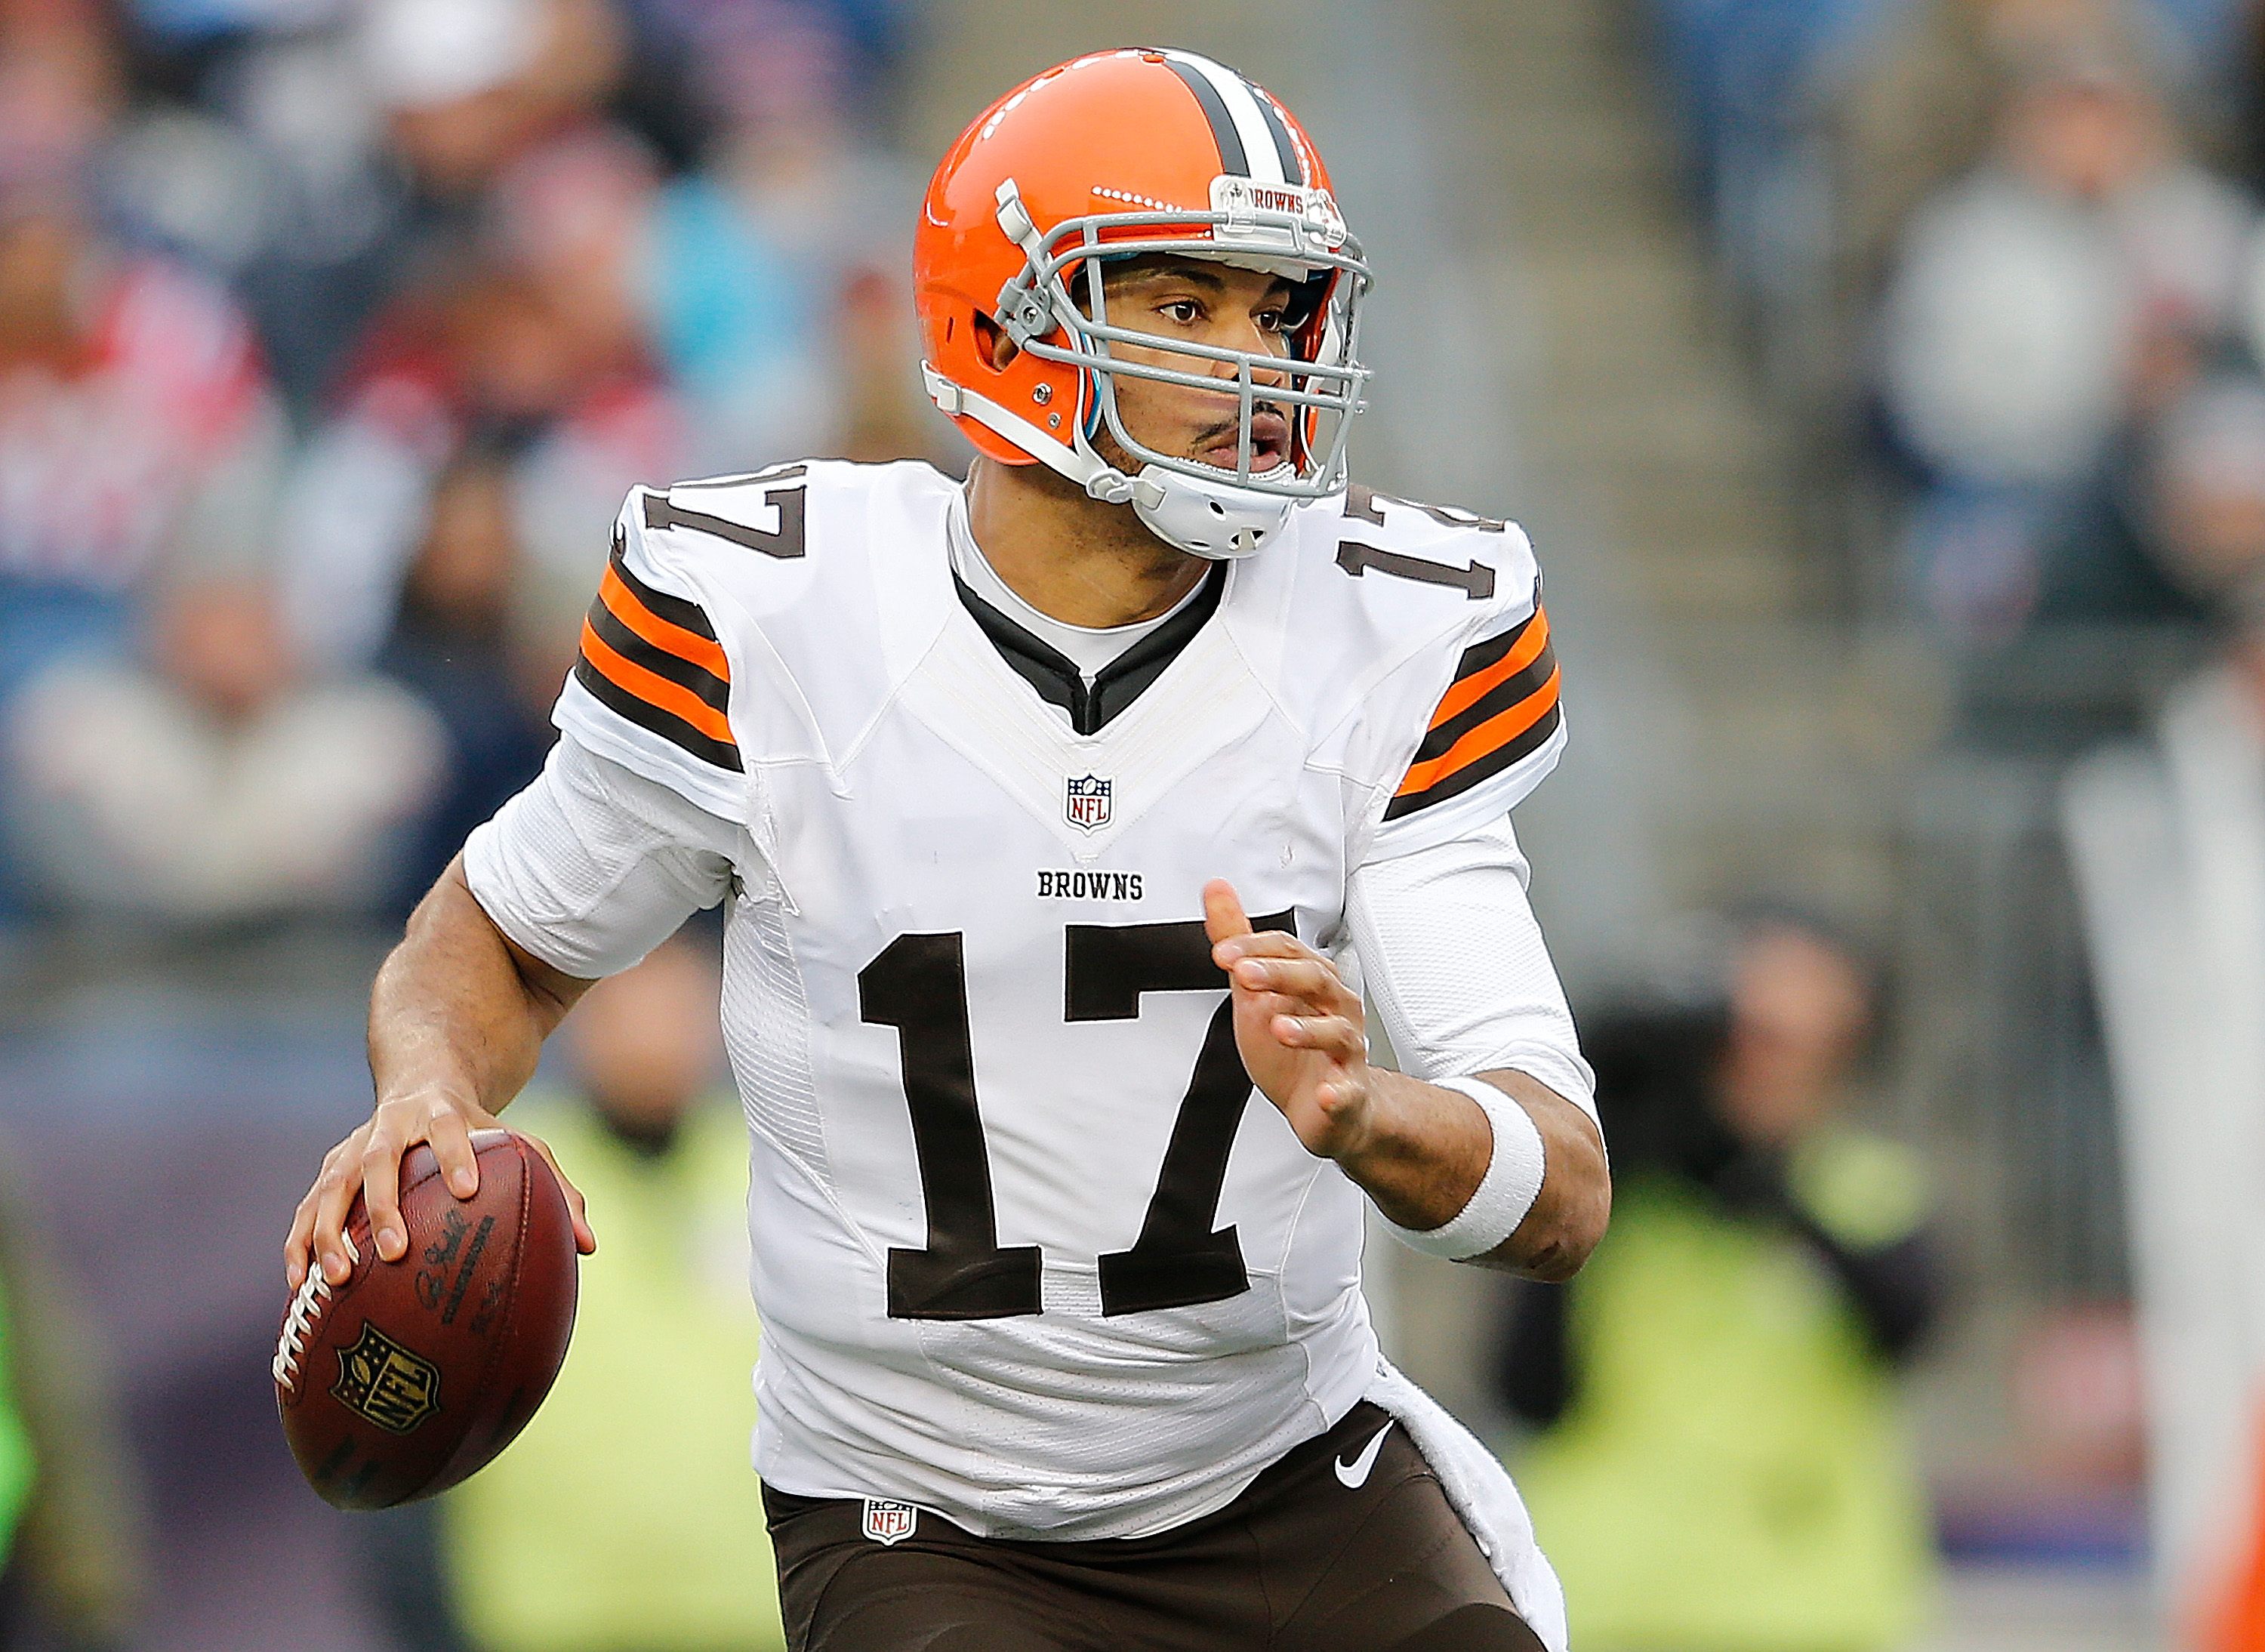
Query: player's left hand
1302	1032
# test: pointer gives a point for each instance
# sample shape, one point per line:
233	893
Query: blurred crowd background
329	332
1885	382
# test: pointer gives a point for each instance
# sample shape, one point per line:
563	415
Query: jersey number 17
919	986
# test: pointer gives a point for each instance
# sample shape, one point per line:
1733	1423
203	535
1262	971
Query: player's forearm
457	1011
1428	1149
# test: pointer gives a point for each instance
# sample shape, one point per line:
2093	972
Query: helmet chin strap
1219	520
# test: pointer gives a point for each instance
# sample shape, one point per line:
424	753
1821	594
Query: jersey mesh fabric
1456	969
593	866
767	1029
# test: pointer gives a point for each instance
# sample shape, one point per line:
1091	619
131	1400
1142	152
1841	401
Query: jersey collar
1117	684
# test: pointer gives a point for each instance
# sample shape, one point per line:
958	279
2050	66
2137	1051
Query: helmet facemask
1207	509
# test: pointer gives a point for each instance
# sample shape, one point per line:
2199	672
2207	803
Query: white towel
1480	1490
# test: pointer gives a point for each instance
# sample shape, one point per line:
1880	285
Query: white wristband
1505	1194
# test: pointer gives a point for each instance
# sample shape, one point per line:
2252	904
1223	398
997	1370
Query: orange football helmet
1109	157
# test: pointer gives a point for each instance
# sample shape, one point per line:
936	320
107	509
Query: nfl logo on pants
887	1522
1085	802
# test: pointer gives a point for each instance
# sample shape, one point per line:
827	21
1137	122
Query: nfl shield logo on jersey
1085	802
887	1522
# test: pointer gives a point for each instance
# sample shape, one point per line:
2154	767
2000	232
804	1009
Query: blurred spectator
1918	105
457	646
213	782
136	427
2073	283
470	86
277	181
2130	574
2176	518
589	405
774	275
586	323
888	413
2206	493
1744	73
1720	1463
71	1559
335	150
485	354
626	1519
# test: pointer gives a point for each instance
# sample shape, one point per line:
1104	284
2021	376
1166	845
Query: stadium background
1882	513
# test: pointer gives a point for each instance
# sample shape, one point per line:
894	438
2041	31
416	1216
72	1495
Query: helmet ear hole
992	346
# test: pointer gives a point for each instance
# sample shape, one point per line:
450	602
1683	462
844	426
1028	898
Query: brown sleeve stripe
1482	765
680	715
650	685
699	648
1501	713
654	658
654	703
1501	707
1486	666
703	684
1497	732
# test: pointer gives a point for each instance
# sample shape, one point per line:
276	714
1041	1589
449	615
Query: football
414	1373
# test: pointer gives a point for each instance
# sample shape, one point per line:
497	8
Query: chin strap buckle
1111	487
945	394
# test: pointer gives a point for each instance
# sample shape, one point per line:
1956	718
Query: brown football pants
1313	1557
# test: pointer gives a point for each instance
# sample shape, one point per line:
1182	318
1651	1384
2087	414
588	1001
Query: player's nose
1251	339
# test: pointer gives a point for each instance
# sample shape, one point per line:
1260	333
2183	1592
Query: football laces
306	1308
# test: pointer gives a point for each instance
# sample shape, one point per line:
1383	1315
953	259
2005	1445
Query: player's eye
1185	311
1273	320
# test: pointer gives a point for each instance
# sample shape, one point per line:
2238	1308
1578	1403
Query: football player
1053	814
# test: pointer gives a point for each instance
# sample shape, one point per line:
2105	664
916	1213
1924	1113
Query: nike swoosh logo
1353	1476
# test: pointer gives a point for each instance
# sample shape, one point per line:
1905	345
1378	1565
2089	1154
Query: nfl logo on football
887	1522
1085	802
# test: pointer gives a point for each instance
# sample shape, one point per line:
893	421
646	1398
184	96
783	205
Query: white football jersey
1029	1250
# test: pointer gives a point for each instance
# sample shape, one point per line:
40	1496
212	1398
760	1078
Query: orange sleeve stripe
623	604
1491	735
1468	691
633	678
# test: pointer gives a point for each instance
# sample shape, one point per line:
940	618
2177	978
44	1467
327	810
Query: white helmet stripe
1293	165
1259	152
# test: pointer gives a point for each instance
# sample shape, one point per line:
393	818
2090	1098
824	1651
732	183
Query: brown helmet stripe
1223	131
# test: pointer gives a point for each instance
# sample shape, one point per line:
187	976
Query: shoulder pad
738	615
1435	545
651	684
823	580
1459	716
765	512
1380	580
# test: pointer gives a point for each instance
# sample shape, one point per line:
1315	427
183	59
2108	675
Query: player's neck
1070	557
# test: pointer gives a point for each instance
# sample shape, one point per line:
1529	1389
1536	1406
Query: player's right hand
369	1162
